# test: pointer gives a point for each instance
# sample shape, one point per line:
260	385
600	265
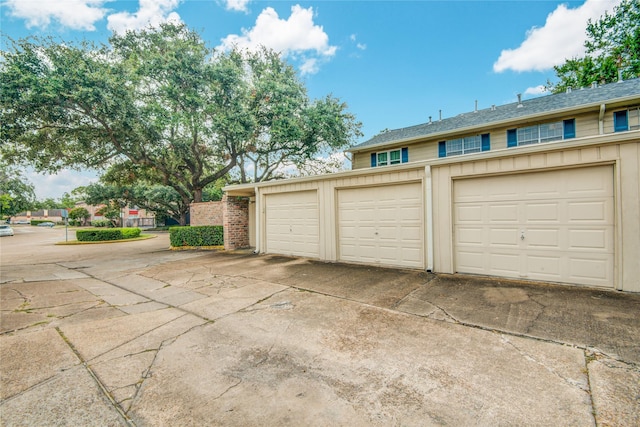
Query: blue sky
395	63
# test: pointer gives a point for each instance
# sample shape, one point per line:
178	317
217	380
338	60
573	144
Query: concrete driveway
134	334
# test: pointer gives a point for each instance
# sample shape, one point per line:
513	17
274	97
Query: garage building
542	189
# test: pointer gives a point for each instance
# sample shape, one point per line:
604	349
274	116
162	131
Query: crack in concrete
588	358
148	373
540	313
99	383
228	389
138	336
549	369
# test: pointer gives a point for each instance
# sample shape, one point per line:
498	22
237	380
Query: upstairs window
621	121
546	132
626	120
466	145
391	157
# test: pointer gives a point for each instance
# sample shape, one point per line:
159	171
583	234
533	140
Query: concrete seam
102	387
588	357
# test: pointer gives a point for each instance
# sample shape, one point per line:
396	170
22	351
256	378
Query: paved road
134	334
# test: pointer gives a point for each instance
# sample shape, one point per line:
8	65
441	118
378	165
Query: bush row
95	235
204	235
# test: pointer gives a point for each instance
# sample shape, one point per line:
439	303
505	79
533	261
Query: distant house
543	189
53	215
132	216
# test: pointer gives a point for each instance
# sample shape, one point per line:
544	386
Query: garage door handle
522	235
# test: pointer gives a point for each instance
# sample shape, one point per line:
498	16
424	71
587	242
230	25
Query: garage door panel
590	182
543	238
548	239
504	263
292	224
544	267
542	212
584	239
381	225
503	236
469	213
589	211
589	270
503	213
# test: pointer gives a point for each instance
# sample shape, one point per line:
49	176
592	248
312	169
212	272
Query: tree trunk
197	195
183	219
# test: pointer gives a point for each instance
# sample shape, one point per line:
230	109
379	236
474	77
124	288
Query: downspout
601	119
258	220
429	216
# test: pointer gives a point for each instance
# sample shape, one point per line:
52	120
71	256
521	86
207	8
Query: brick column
235	218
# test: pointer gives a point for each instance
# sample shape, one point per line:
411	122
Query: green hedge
204	235
101	235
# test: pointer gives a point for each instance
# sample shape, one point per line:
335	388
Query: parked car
46	224
6	230
22	221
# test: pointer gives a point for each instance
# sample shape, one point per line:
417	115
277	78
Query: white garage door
382	225
554	226
292	224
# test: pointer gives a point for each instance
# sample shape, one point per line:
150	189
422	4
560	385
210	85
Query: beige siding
361	160
423	151
587	125
629	216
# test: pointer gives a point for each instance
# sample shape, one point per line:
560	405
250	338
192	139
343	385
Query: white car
6	230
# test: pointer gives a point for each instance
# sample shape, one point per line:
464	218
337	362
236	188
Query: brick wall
236	222
206	213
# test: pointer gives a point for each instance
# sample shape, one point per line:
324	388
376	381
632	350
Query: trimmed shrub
101	223
203	235
130	233
101	235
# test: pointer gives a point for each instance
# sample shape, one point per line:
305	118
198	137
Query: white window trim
388	153
539	140
477	140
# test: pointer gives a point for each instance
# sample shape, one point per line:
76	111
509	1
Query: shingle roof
548	103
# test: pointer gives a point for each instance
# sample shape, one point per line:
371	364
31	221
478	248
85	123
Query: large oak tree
161	105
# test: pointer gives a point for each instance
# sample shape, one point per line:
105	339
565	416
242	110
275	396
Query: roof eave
498	123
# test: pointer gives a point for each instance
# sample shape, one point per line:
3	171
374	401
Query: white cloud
562	37
150	13
535	91
360	46
295	36
238	5
74	14
54	186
